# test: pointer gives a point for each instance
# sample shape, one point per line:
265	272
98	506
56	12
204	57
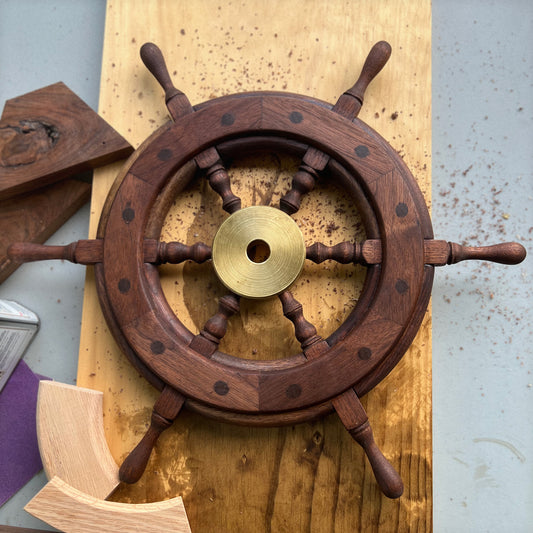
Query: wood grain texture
51	134
72	511
310	477
71	438
36	217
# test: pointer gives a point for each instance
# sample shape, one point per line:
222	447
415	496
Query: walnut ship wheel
258	252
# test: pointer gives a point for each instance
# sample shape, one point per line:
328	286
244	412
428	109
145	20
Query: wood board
310	477
72	416
72	511
48	135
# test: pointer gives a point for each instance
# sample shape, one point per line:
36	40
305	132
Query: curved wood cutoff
71	437
70	510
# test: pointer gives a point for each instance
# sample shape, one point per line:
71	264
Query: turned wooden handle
166	409
388	479
85	252
25	252
355	419
506	253
153	59
375	61
134	465
348	105
350	102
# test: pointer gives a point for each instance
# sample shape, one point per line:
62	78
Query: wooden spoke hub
258	252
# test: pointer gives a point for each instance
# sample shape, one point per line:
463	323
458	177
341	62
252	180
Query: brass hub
258	252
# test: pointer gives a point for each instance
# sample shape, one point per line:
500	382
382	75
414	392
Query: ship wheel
258	252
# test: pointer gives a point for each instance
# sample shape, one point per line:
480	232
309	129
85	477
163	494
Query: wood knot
26	143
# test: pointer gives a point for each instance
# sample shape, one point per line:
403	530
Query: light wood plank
311	477
72	511
71	438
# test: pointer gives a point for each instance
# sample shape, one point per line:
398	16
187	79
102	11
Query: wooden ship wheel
258	252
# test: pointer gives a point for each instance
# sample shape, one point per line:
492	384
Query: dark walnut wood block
50	134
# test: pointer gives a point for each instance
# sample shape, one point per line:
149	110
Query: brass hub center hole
258	251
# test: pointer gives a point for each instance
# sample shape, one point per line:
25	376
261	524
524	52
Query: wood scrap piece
37	217
72	511
71	438
51	134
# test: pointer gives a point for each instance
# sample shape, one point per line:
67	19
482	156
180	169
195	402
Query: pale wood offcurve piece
70	510
71	438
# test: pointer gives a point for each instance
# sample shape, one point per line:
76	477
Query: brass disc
258	252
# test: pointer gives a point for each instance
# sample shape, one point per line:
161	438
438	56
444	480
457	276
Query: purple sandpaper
19	451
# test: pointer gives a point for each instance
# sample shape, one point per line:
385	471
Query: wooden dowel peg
166	409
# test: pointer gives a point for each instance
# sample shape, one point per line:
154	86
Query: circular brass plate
266	228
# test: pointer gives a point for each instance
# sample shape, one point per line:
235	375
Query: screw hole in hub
258	251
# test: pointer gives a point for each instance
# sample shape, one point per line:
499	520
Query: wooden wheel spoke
304	331
207	341
347	405
365	253
355	419
175	252
165	411
302	182
91	251
348	105
178	105
209	161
